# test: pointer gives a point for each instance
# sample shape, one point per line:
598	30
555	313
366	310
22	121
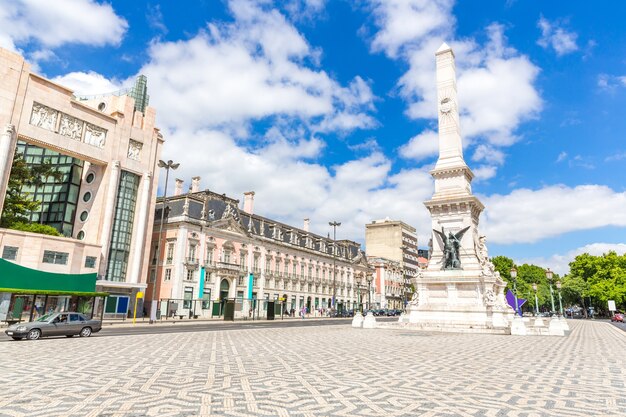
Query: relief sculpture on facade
44	117
71	127
134	150
95	135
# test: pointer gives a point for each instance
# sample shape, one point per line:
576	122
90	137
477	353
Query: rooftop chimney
195	184
306	225
178	189
248	202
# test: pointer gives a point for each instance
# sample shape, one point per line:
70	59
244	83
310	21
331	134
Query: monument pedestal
369	322
555	328
518	328
357	320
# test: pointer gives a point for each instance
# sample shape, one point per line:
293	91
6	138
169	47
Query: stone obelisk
459	290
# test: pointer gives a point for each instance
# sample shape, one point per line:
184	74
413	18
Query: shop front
26	294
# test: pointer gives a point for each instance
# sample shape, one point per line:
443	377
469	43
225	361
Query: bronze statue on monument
451	247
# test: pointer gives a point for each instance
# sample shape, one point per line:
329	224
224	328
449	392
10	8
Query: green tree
598	279
527	275
17	202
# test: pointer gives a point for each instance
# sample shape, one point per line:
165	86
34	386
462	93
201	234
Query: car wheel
34	334
85	332
16	338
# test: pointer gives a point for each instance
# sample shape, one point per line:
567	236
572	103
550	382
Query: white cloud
562	157
405	24
559	263
63	22
421	146
88	83
496	83
556	37
259	66
484	172
610	83
527	216
488	153
290	188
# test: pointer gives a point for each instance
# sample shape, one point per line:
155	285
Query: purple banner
510	299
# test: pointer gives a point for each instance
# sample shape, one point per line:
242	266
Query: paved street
318	371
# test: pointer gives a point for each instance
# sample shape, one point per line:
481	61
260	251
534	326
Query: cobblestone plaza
318	371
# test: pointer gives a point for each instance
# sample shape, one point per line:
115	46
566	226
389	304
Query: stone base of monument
460	318
564	324
555	328
518	327
357	321
404	318
538	322
369	322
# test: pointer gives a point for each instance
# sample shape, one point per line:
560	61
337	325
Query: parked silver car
55	324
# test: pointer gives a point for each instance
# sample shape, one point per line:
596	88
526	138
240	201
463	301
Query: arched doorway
308	304
224	289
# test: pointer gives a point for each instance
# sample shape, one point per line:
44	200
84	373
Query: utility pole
334	225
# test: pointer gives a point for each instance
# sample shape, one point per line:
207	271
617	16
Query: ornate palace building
212	251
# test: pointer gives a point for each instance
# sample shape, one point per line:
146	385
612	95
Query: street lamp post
153	304
549	277
334	224
558	287
536	300
369	291
358	287
514	276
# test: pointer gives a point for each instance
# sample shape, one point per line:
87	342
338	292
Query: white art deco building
106	148
212	251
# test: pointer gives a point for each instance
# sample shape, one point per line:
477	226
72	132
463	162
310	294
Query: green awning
27	280
49	292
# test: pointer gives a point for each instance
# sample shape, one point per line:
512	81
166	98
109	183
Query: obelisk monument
460	289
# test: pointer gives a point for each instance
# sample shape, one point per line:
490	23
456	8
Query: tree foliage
527	275
599	278
592	281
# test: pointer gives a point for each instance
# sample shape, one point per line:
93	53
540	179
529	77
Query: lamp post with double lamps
536	299
334	225
359	280
558	287
153	303
549	275
369	290
514	277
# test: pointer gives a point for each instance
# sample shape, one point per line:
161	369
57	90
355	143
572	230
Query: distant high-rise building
396	241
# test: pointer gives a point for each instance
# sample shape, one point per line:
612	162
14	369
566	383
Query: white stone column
109	214
450	147
8	140
140	231
179	258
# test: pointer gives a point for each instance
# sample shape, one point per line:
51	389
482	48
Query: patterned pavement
318	371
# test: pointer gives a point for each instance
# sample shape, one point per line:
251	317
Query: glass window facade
58	197
9	253
121	235
52	257
90	262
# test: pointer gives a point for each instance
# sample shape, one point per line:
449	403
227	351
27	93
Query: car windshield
45	317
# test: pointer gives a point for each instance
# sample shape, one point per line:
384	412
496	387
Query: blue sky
326	108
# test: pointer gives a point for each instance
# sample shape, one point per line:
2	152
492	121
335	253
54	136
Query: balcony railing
228	266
